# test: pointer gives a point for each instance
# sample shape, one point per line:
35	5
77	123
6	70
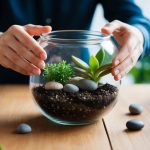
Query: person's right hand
20	52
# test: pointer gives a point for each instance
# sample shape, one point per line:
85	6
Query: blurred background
141	72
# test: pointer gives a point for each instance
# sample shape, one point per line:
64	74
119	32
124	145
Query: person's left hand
130	40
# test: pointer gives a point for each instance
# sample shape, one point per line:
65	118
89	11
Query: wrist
140	35
145	38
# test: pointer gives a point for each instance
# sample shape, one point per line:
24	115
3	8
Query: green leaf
100	56
108	58
82	72
79	70
94	64
105	72
102	68
80	63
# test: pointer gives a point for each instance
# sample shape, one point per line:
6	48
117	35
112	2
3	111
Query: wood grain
121	138
17	106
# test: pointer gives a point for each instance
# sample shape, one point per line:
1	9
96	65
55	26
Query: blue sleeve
127	11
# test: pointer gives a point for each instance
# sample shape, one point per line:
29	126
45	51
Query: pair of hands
20	52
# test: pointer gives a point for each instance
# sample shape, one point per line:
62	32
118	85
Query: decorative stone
23	128
52	85
136	109
74	80
86	84
135	124
71	88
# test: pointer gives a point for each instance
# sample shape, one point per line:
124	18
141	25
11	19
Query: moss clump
60	72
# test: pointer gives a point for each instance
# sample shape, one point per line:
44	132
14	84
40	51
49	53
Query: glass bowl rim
98	36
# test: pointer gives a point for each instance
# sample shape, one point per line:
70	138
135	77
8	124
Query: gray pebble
52	85
24	128
70	88
136	109
87	85
135	124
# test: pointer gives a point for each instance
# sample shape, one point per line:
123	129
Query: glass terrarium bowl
76	86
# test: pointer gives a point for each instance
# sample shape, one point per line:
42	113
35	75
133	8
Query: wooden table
17	106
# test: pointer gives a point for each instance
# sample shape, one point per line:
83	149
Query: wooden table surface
17	106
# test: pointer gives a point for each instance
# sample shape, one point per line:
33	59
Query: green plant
1	148
95	69
140	73
60	72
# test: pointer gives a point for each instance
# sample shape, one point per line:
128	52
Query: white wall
145	5
99	21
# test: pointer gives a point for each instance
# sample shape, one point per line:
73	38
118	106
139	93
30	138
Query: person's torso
60	14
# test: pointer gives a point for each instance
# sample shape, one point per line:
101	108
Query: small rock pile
135	124
74	86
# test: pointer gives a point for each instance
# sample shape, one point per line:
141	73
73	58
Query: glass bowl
76	86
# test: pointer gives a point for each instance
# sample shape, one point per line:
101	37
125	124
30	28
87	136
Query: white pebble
136	109
52	85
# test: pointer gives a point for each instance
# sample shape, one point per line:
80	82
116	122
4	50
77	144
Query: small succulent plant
60	72
95	69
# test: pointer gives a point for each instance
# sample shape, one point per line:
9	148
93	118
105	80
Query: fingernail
116	71
36	71
117	62
43	56
41	65
119	76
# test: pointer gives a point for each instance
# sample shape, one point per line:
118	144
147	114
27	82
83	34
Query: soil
80	106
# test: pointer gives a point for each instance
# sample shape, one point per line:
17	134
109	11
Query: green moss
60	72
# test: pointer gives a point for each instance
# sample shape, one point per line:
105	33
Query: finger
22	36
25	53
122	69
20	62
123	73
7	63
37	29
126	50
114	26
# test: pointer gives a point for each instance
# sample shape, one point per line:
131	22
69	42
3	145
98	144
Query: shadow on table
131	131
40	124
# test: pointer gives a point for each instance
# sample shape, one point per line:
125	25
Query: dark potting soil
80	106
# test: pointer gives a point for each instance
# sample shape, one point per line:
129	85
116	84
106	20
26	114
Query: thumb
37	29
112	27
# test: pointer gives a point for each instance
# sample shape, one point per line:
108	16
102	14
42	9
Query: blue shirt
67	14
